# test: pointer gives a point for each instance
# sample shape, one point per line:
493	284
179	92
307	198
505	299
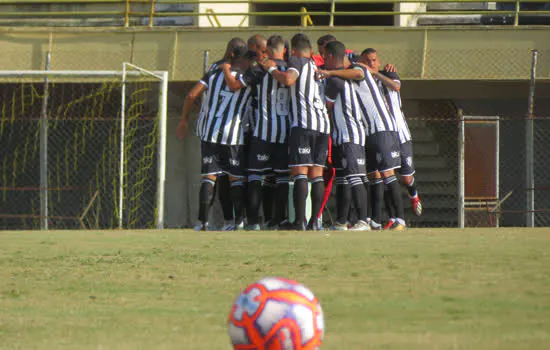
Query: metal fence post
529	149
460	169
44	150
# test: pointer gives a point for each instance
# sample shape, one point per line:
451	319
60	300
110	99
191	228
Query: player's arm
190	99
391	84
346	74
232	82
333	88
287	78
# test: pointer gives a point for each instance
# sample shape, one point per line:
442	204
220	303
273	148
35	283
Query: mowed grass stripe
420	289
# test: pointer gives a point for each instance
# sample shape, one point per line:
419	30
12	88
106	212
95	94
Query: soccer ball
276	314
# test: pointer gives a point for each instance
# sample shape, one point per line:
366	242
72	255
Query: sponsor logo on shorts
409	161
234	162
344	163
263	157
304	150
378	157
395	154
361	161
207	160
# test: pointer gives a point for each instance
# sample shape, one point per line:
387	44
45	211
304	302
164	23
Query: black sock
254	198
299	197
377	197
205	199
359	197
395	192
281	199
238	196
224	194
411	188
268	187
343	199
317	195
388	200
368	204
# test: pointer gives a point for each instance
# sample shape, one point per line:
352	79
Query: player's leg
233	161
319	145
268	187
258	158
389	160
407	177
343	194
390	208
375	193
282	177
223	187
366	184
209	170
300	158
355	160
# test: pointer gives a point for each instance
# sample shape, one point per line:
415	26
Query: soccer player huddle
272	114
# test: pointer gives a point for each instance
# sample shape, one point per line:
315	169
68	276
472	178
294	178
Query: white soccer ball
276	314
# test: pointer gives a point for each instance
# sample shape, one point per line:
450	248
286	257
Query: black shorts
265	156
349	158
407	163
307	148
383	152
217	159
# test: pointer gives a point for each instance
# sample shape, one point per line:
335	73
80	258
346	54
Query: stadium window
322	20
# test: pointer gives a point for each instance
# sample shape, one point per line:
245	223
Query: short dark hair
239	51
336	49
300	42
325	39
276	41
231	45
368	51
255	40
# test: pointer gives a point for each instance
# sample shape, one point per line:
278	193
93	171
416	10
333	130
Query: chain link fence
82	151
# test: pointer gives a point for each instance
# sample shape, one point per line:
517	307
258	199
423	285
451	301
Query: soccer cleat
339	227
290	226
253	227
416	205
360	225
375	226
398	227
389	224
315	225
239	226
201	226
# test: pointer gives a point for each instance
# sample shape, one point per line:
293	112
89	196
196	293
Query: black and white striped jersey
347	120
373	106
222	119
271	118
307	107
211	69
393	99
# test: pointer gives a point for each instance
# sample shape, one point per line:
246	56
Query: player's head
370	58
301	46
239	56
231	45
335	52
257	45
276	47
323	41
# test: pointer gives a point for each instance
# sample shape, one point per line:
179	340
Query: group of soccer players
272	114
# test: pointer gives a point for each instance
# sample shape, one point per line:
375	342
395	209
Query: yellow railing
144	12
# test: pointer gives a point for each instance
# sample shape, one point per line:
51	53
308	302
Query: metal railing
144	12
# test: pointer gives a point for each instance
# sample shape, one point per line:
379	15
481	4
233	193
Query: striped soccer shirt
393	99
373	106
307	109
348	123
222	118
271	122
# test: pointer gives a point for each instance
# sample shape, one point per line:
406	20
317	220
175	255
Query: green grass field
421	289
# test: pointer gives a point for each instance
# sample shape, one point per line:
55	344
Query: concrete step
421	135
429	162
426	148
442	175
433	202
435	188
